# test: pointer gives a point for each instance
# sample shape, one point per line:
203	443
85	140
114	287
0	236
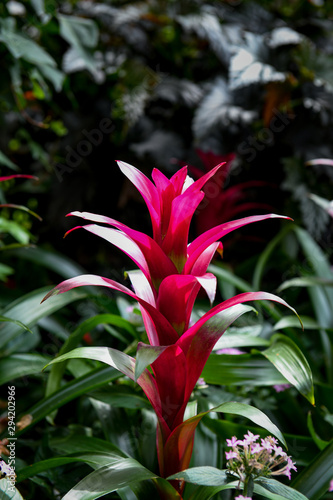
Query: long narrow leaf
314	480
109	478
262	261
88	382
227	369
74	339
28	310
292	364
278	488
21	365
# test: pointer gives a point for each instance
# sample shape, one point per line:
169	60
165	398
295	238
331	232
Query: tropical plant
171	274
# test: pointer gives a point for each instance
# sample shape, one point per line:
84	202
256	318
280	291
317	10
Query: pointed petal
18	176
163	327
175	241
177	294
162	183
178	180
145	356
198	184
159	264
183	208
148	192
201	264
121	241
204	240
208	283
158	333
166	193
198	341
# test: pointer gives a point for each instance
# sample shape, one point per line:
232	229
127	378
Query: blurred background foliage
164	84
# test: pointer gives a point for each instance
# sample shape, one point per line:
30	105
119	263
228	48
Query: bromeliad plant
170	276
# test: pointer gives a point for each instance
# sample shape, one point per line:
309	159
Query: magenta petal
158	333
178	180
159	264
201	264
179	445
177	294
123	242
163	328
170	375
145	356
198	184
197	246
198	341
148	192
167	194
175	241
18	176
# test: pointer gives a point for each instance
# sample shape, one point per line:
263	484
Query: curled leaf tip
70	230
54	291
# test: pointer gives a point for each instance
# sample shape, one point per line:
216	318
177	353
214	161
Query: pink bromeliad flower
171	273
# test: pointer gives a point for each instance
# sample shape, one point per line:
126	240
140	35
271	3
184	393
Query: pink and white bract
171	273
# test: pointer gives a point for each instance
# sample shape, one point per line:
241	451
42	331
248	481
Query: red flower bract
171	273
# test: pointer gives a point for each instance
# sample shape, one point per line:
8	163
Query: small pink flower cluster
251	457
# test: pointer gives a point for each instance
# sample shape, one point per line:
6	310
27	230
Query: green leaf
292	364
58	263
208	492
15	230
4	272
54	75
225	274
319	442
265	255
252	413
109	478
22	47
113	357
204	476
15	321
8	492
121	396
81	34
267	494
73	340
314	480
187	428
273	486
23	208
145	355
21	365
4	160
227	369
322	269
78	387
242	337
305	281
292	322
28	310
78	31
74	443
91	458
